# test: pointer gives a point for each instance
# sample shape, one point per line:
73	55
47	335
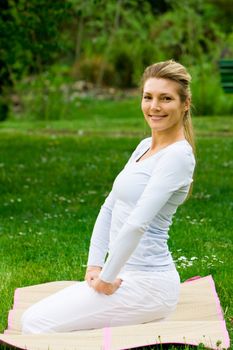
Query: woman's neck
162	139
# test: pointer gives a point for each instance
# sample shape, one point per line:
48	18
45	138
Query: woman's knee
33	324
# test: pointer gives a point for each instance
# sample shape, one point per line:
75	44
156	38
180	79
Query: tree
30	37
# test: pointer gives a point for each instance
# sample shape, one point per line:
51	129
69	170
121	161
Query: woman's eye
147	97
166	98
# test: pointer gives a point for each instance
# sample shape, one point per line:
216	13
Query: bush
44	96
208	95
89	69
123	65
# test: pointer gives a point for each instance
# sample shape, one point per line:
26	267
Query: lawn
55	175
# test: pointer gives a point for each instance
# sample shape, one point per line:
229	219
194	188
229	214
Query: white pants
142	297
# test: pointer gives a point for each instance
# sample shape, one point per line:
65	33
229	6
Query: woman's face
161	104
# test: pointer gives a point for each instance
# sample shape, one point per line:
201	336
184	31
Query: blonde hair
175	71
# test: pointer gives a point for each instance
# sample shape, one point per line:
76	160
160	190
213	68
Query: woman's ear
187	104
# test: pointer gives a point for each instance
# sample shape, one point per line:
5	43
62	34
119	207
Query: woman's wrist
105	287
93	267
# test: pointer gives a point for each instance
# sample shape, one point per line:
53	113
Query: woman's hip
151	287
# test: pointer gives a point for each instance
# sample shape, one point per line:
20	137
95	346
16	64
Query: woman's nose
155	104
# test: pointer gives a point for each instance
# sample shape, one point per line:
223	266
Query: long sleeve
173	171
100	235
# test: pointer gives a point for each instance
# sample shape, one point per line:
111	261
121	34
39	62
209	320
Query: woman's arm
99	243
173	171
99	247
100	235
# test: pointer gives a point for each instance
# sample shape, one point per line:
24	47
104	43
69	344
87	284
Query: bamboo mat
198	319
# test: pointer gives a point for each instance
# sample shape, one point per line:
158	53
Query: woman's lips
157	117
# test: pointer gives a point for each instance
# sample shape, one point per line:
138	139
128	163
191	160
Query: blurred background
56	55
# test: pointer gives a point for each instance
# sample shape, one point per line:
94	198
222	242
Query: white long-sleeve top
133	223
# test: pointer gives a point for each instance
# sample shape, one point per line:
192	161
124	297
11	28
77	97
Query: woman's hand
104	287
92	273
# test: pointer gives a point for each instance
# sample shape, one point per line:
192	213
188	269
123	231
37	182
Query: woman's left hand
104	287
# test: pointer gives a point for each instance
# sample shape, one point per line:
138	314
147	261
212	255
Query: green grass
52	186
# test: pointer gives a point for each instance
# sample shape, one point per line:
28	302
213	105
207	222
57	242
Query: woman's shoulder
181	148
180	153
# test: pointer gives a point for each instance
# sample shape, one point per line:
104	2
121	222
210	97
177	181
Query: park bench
226	73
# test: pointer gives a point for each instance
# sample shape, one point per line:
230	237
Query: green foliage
30	33
30	40
44	96
185	34
110	34
130	36
110	43
88	69
207	93
222	12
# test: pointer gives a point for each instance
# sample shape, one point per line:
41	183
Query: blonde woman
131	277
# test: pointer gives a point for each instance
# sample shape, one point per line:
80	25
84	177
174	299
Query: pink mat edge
219	311
218	305
107	330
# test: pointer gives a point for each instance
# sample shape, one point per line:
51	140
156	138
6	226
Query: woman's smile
157	117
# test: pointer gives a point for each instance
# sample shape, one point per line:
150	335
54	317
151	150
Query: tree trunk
79	37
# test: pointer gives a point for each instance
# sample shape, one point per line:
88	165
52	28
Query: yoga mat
197	319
